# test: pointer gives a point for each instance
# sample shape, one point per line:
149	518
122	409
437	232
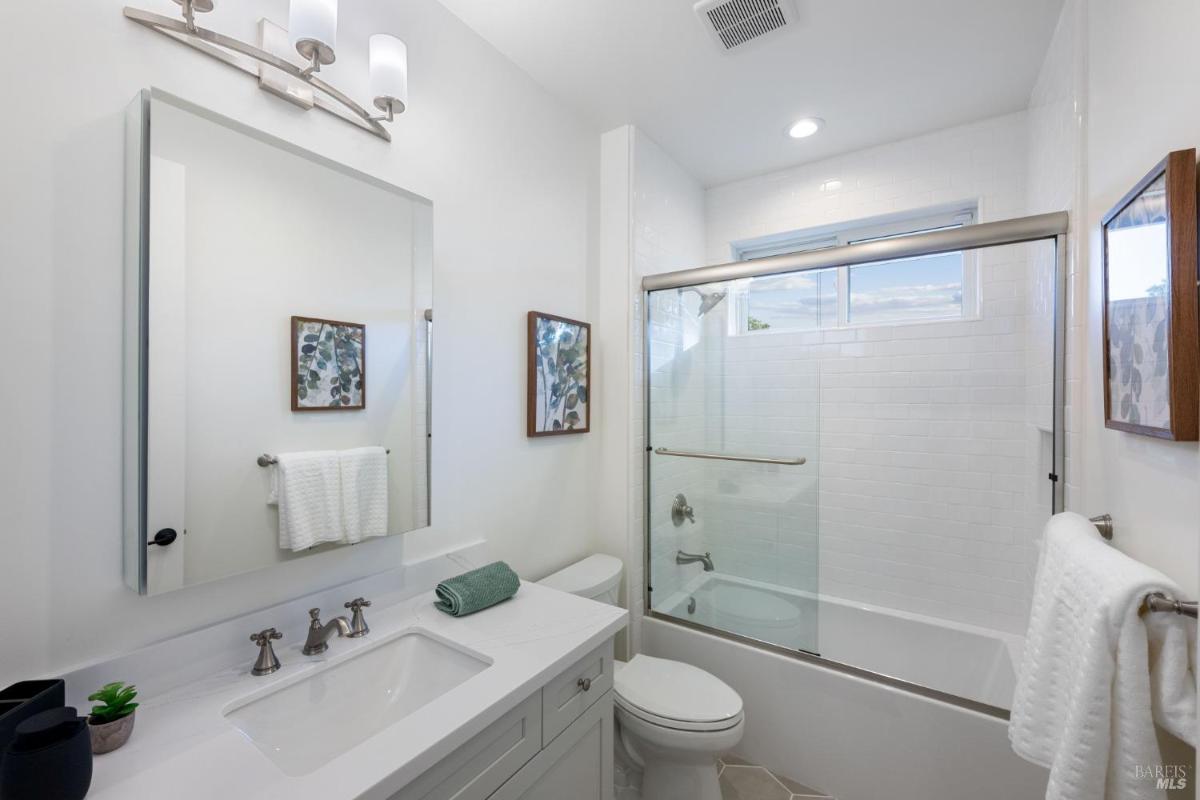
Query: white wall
983	160
652	220
512	178
1055	182
1140	68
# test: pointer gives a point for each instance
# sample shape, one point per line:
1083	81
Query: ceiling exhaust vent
733	23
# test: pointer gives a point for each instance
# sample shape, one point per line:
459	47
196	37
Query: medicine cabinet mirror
264	282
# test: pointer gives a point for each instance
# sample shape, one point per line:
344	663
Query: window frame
857	232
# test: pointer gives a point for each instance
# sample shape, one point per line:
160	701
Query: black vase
50	756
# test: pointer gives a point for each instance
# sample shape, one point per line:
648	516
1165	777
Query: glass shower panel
905	543
733	467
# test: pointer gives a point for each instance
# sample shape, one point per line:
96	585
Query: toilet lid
674	692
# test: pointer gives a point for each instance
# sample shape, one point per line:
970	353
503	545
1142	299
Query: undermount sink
305	725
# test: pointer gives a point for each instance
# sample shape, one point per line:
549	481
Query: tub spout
691	558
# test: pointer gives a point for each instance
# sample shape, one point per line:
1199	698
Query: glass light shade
312	28
389	72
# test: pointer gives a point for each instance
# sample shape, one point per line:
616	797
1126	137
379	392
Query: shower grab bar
790	462
1155	601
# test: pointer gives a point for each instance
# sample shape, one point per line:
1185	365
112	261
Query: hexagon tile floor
741	780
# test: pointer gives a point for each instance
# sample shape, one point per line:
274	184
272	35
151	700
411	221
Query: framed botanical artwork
329	365
560	361
1151	335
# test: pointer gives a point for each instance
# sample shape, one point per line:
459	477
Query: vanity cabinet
577	765
556	744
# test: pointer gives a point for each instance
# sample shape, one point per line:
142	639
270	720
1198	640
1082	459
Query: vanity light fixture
803	128
312	35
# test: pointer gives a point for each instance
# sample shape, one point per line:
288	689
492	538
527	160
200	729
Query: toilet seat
677	696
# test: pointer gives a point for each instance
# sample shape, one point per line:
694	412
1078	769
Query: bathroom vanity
512	702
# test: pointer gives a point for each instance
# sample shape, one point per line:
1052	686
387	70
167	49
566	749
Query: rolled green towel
476	590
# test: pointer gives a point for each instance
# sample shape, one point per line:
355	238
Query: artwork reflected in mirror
329	365
234	235
560	354
1150	321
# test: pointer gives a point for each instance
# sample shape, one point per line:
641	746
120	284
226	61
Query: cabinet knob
584	683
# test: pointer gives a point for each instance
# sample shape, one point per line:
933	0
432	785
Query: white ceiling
875	70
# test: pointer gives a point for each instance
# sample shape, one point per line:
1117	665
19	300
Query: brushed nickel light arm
234	52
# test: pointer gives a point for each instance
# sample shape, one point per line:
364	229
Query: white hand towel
309	491
364	492
1084	700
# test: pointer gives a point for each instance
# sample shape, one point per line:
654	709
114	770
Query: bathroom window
940	287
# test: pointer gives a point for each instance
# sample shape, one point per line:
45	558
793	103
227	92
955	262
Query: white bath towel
364	492
1084	704
309	493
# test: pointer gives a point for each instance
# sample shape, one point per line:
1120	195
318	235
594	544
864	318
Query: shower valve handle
680	510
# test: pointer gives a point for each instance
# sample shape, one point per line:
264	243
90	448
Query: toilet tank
596	577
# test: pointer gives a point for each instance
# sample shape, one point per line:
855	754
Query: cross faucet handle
358	623
267	662
263	638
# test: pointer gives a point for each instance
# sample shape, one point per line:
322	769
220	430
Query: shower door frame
1050	227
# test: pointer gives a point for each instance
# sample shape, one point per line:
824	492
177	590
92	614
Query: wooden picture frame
312	375
549	413
1151	337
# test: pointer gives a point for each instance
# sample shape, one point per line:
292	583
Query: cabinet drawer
564	698
480	766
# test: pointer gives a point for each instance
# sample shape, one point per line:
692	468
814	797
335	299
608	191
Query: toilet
673	719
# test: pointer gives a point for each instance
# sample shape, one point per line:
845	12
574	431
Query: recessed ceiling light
802	129
831	185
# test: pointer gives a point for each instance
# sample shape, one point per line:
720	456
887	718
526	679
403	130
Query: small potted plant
111	722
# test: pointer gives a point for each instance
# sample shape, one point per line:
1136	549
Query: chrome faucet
319	635
691	558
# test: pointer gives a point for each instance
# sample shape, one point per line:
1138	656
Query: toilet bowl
673	719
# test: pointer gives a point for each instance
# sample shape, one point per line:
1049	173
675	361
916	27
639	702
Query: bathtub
896	706
962	661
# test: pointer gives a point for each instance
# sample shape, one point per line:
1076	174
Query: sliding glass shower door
733	466
850	459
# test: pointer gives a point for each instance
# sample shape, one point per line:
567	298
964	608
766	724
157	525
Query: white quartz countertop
183	747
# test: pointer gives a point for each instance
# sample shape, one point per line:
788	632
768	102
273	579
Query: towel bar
1156	601
1104	524
1160	602
790	462
266	460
